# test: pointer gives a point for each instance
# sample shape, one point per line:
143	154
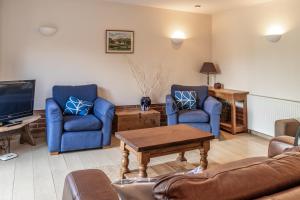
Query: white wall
0	36
247	60
76	54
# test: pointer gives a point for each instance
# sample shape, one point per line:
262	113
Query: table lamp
208	68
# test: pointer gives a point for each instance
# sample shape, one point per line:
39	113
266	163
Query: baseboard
260	134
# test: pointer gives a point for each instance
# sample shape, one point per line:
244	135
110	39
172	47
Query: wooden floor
37	175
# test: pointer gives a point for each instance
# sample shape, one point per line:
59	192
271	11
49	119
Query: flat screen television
16	99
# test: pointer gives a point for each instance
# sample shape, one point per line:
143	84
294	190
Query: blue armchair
207	115
69	133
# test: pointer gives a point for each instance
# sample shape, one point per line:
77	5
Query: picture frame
119	41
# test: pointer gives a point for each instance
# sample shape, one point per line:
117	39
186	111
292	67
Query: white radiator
264	111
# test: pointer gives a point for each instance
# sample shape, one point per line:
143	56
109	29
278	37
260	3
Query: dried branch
145	85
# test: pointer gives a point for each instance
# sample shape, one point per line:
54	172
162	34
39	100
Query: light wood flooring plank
23	182
59	172
7	176
43	181
73	161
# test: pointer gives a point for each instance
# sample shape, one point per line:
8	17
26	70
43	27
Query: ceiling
207	6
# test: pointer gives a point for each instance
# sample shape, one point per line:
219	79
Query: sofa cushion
290	194
192	116
135	189
238	180
81	123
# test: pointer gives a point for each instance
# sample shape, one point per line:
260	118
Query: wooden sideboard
233	97
130	119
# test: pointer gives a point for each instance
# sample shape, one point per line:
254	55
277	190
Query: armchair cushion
82	123
62	93
192	116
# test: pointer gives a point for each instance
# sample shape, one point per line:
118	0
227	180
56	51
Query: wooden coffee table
160	141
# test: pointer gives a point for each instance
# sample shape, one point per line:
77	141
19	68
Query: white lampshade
178	37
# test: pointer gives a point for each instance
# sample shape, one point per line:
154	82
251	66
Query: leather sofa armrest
280	144
286	127
88	184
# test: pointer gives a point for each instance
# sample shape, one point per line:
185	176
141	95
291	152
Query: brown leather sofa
275	177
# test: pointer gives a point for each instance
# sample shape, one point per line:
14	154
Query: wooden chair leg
54	153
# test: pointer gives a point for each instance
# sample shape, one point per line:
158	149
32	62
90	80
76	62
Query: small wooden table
233	96
23	129
160	141
130	119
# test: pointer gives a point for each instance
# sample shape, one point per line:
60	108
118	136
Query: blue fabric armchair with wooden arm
71	132
206	116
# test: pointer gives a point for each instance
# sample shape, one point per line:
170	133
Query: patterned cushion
75	106
186	100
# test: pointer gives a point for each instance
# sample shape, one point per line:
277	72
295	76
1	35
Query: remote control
8	156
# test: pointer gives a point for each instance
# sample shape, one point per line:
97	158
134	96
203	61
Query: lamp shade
208	68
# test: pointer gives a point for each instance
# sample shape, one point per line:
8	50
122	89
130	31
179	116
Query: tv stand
15	128
10	123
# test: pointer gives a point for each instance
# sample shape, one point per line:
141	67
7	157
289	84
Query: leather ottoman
91	184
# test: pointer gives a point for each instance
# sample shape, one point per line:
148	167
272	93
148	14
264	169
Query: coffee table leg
143	159
125	161
205	146
26	136
181	157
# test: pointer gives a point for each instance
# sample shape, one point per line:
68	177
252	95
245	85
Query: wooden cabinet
233	97
136	119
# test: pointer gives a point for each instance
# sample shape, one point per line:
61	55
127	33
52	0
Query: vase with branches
146	82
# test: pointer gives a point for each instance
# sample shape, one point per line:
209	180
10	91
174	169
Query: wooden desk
232	97
23	129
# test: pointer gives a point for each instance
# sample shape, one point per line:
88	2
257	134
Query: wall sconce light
273	38
47	30
274	33
178	37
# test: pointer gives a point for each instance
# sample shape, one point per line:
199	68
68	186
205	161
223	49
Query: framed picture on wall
119	41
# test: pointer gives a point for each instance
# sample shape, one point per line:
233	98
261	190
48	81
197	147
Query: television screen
16	99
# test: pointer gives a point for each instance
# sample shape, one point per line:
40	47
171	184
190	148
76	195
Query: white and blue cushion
186	100
75	106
